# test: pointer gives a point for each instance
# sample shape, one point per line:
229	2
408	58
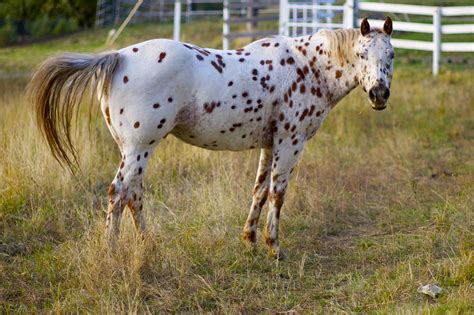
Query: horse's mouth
379	107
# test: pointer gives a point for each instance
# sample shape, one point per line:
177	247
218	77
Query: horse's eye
392	55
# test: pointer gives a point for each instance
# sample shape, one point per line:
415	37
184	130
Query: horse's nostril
371	94
386	95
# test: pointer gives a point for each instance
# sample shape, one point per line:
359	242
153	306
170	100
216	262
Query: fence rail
436	28
250	12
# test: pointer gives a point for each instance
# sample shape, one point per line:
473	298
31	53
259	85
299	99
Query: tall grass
380	203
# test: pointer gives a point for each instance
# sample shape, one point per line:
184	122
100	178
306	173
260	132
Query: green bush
42	26
64	25
7	33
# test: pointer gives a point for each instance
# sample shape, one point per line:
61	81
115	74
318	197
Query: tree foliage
24	19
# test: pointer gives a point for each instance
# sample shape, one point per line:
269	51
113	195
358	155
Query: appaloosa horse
273	95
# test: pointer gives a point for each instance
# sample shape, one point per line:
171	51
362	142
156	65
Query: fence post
189	4
117	13
162	9
436	40
225	25
284	16
351	14
249	25
177	20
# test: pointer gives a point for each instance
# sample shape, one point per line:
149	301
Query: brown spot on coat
318	92
303	115
215	65
302	88
262	177
209	107
111	191
162	56
107	115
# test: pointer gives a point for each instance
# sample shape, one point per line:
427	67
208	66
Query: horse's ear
387	26
365	27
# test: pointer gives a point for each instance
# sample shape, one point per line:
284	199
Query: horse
271	95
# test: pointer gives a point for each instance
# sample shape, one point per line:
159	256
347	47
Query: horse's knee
116	193
276	199
113	193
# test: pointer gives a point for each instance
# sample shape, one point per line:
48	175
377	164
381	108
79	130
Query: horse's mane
341	43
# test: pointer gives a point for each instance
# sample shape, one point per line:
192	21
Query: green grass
380	203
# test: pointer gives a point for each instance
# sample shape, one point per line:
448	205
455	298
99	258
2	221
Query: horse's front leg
260	193
285	157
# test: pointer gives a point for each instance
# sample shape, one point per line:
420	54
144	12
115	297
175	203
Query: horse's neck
340	78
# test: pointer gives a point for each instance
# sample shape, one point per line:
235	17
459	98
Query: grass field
380	203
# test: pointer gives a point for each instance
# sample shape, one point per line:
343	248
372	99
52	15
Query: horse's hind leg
260	193
115	207
127	189
139	159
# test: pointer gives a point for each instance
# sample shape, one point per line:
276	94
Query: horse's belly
233	137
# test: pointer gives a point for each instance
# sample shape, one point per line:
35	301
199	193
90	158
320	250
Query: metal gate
302	17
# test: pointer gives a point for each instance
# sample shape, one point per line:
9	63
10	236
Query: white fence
436	28
298	18
301	15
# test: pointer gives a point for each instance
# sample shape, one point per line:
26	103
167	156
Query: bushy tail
56	90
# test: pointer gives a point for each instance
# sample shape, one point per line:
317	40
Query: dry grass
380	203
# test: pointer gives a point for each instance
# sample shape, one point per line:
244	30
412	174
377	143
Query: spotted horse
272	95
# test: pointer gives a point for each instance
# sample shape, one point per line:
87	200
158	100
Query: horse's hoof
278	254
250	238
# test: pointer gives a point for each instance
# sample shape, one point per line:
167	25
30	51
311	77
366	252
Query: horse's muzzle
378	96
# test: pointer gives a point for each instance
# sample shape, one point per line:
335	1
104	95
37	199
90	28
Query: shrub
64	25
42	26
7	33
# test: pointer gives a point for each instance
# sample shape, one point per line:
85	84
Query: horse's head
375	53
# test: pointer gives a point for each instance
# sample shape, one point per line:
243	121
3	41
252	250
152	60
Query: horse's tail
56	90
